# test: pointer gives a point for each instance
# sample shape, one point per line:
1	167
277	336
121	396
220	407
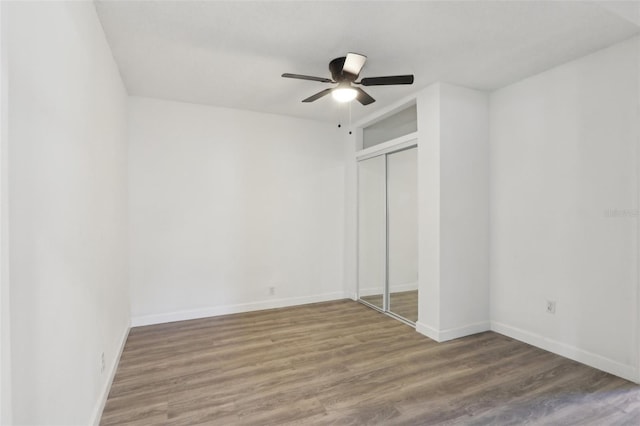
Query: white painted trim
356	229
401	142
370	291
588	358
427	330
452	333
102	401
636	328
351	242
213	311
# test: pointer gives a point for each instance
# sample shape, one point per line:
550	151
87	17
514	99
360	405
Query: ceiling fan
344	71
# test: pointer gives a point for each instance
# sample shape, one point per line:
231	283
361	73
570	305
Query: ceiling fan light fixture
344	94
345	70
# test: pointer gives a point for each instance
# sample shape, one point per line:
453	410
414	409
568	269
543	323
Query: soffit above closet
232	53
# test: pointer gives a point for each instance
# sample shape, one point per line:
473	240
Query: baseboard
371	291
588	358
102	401
452	333
233	309
426	330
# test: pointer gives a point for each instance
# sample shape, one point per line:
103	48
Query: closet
388	216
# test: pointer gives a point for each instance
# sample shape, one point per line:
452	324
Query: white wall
564	148
225	204
464	206
454	212
5	318
67	207
429	211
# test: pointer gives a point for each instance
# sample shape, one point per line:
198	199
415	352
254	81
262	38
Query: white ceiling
232	53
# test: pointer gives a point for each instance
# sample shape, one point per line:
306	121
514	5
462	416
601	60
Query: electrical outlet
272	291
102	363
551	306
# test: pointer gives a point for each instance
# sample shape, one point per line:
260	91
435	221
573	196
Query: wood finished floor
403	303
345	364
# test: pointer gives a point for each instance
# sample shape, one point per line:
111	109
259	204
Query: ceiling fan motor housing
337	73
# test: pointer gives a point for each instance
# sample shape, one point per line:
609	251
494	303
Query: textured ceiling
232	53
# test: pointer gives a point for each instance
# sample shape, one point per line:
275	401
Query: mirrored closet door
402	225
388	233
372	230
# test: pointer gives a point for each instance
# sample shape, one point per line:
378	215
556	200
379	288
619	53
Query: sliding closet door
372	231
402	222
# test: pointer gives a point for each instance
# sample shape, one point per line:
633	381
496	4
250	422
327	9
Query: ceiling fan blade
317	95
308	77
363	97
353	63
389	80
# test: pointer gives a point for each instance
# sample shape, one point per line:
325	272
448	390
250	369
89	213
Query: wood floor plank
345	364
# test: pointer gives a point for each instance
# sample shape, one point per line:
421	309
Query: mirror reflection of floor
404	303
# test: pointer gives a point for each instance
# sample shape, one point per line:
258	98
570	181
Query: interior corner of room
510	208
